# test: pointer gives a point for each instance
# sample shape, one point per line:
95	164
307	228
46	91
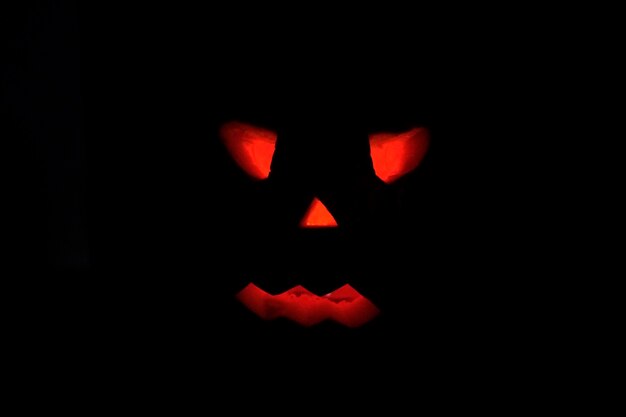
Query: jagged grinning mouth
344	305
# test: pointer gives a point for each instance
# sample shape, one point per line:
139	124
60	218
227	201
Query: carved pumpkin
393	155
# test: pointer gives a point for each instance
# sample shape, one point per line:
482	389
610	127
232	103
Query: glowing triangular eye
318	216
397	154
250	146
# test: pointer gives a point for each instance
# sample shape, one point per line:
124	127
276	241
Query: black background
133	227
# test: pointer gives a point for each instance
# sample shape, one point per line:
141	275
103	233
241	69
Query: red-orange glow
344	305
397	154
393	154
250	146
318	216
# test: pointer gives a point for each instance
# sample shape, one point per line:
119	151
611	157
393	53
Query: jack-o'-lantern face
318	187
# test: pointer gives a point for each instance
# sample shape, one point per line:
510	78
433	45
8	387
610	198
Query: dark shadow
326	156
42	128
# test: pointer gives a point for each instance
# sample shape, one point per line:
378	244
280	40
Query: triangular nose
318	216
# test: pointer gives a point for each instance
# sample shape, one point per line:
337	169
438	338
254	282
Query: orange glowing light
318	216
397	154
250	146
393	154
344	305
